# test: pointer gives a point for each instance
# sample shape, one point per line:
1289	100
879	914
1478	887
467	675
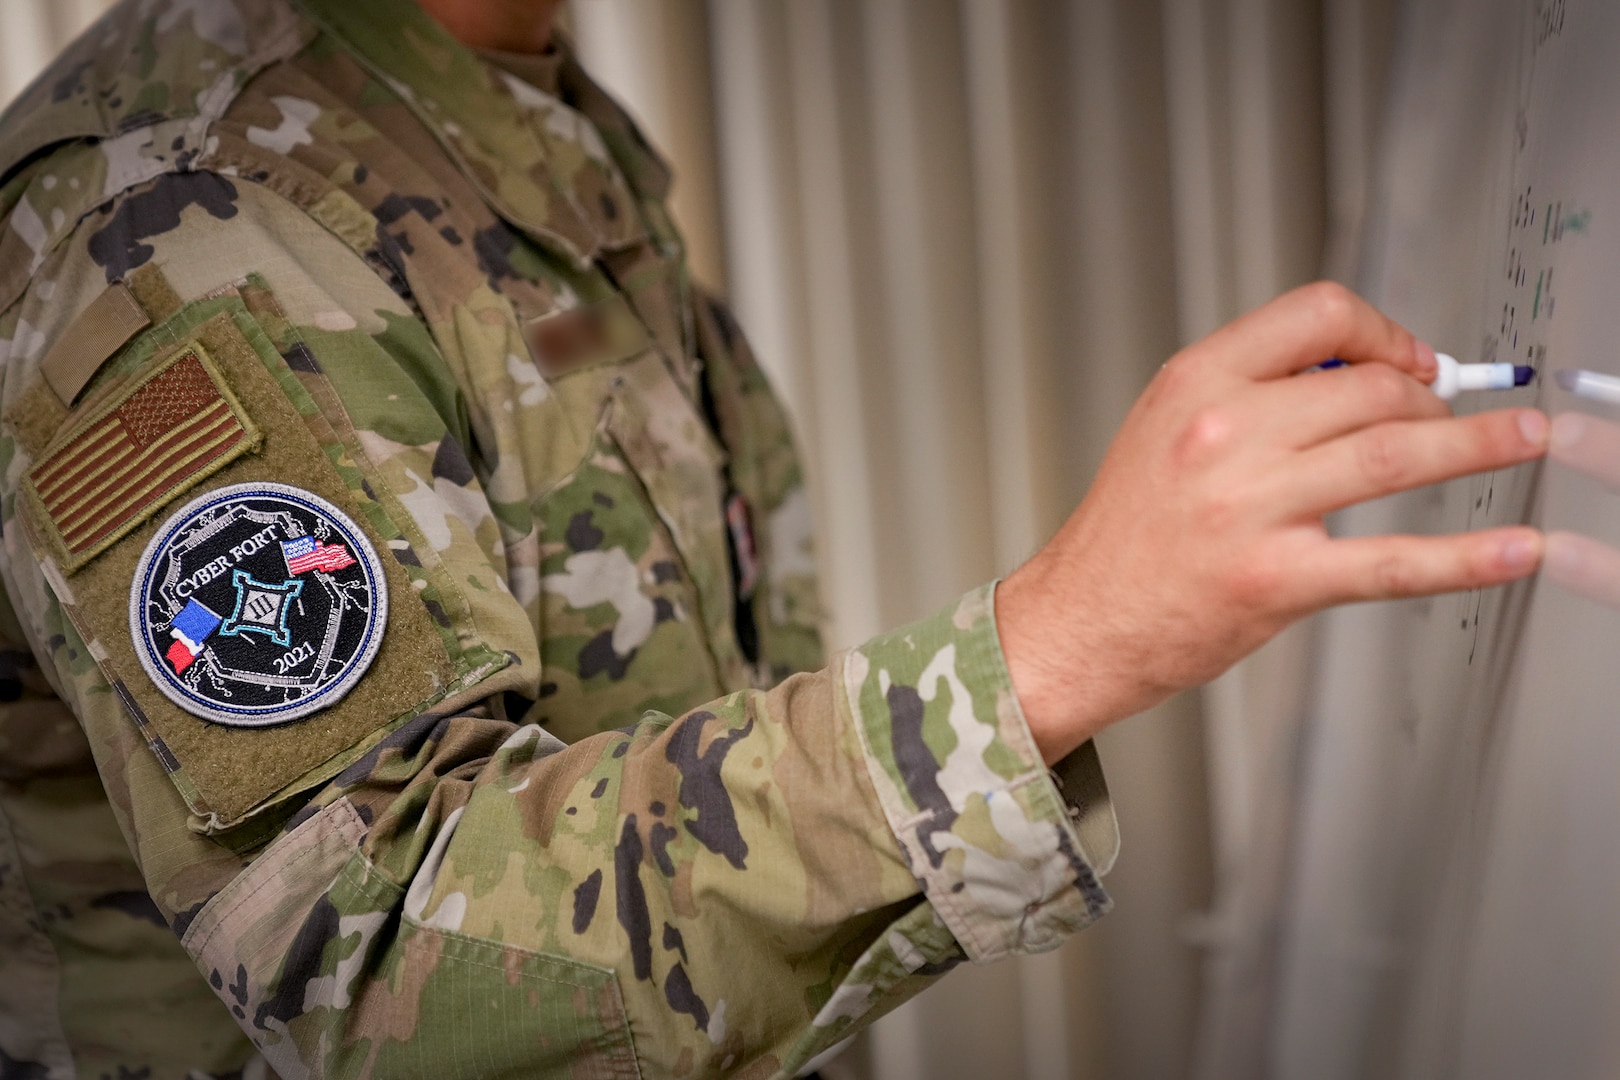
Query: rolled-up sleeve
1009	859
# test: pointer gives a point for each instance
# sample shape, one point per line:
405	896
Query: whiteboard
1454	909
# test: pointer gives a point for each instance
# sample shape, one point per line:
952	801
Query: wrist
1060	705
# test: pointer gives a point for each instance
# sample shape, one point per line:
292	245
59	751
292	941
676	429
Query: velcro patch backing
226	774
100	331
171	429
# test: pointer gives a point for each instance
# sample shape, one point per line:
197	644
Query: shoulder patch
175	426
257	604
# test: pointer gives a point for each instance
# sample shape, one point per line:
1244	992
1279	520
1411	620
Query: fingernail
1567	430
1427	364
1518	553
1533	426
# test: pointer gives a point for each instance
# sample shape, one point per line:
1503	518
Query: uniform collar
541	165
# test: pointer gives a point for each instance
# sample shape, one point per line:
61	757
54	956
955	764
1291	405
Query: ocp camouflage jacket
406	568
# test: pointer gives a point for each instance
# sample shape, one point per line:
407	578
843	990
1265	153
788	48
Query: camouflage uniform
579	816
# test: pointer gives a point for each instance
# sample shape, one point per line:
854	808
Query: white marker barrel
1455	377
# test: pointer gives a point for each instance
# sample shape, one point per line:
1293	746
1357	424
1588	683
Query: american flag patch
132	455
307	553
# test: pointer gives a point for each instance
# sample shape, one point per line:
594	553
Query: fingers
1312	324
1588	444
1323	405
1581	564
1399	455
1391	567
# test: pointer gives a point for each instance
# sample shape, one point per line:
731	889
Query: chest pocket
634	603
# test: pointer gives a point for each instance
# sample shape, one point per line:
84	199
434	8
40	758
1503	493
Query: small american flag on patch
307	553
105	479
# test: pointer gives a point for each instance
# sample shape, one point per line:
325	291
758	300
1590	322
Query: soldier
410	637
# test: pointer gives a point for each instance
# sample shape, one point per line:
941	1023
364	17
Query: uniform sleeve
763	873
453	890
94	983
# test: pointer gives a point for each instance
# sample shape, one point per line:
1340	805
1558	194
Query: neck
520	26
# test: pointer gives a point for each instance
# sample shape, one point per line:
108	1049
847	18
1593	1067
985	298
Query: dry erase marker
1455	377
1590	384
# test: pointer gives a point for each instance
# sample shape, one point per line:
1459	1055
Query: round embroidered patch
257	604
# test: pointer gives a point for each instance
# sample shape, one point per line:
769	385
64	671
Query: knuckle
1482	564
1393	575
1254	583
1508	442
1387	390
1219	510
1208	432
1330	302
1487	441
1379	457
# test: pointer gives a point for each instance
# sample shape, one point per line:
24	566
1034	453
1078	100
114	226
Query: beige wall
31	31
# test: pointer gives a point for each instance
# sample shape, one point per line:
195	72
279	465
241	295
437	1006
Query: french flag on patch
307	553
190	629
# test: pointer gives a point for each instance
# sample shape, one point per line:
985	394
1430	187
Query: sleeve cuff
1010	862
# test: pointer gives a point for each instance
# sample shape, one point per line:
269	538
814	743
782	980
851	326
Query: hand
1577	562
1202	535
